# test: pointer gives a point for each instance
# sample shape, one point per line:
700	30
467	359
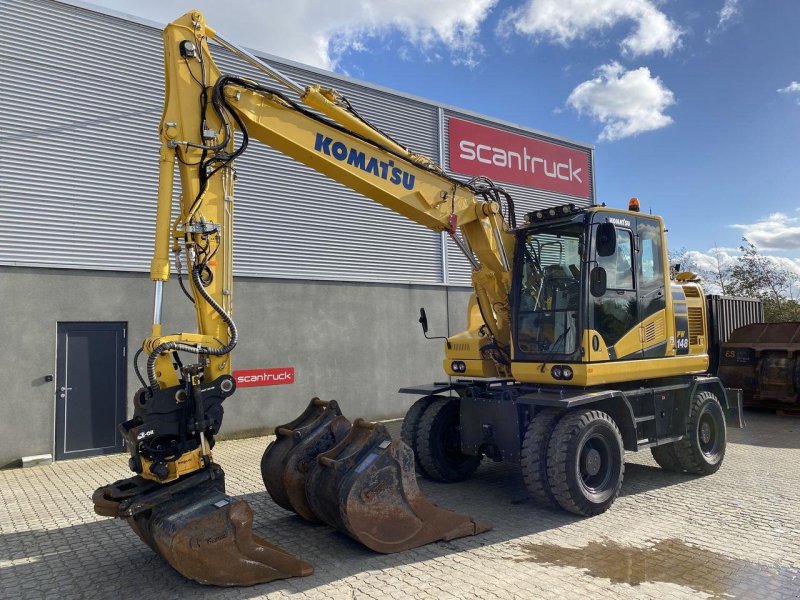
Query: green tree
758	276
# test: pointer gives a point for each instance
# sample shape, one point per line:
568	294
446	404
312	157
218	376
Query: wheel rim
595	466
708	437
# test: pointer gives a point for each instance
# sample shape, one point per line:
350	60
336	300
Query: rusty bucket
201	532
290	458
366	487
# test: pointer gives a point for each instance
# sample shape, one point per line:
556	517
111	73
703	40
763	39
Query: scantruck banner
504	156
258	377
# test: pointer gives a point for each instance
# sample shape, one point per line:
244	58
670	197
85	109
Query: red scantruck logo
480	150
259	377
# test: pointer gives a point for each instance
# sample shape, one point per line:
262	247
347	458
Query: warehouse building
328	283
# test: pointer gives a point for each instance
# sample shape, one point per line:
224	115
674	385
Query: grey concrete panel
353	342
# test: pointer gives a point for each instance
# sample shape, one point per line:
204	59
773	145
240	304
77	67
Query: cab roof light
551	213
633	205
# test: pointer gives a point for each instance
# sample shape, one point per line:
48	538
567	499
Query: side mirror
597	282
606	240
423	320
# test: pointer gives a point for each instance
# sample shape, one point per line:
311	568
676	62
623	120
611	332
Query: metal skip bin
362	484
201	532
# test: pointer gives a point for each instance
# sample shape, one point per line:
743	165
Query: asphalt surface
733	534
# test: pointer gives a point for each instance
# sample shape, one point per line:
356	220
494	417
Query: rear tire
533	458
702	450
585	462
666	458
439	443
408	433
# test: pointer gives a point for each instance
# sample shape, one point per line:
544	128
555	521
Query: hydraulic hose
180	347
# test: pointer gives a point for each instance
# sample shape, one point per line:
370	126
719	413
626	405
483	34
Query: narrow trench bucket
362	483
200	531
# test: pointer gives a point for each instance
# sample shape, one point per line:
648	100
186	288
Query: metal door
90	388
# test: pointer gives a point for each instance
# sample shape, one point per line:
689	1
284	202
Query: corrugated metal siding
729	313
525	199
81	102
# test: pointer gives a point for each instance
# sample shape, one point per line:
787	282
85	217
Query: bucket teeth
201	532
357	480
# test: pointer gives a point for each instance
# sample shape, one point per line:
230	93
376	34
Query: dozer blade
288	460
366	487
201	532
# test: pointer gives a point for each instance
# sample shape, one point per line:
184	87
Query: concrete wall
356	343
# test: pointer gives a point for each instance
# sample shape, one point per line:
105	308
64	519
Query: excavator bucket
361	483
201	532
288	460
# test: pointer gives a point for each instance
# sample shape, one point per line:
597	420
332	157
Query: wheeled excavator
580	343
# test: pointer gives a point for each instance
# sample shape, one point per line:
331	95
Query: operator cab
590	287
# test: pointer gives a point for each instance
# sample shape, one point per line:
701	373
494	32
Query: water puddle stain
669	561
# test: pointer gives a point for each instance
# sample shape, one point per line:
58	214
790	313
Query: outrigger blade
200	531
362	483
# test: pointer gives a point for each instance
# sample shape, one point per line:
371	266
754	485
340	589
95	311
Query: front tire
439	443
533	458
585	462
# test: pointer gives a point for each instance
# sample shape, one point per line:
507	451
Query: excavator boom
349	475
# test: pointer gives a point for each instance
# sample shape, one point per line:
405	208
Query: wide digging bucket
201	532
366	487
288	460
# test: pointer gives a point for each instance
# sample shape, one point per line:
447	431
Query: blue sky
680	97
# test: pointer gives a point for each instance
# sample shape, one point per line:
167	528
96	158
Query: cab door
614	315
652	292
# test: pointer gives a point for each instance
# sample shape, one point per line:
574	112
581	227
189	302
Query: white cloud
564	21
627	103
729	14
792	88
319	32
730	11
709	262
776	232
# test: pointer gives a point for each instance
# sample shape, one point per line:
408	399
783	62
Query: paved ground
734	534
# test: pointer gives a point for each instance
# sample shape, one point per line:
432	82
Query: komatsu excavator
580	343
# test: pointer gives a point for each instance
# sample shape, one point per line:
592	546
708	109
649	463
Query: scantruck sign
258	377
480	150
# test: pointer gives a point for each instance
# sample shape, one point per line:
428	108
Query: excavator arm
203	109
174	501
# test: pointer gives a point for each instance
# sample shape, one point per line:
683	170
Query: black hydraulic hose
136	367
180	347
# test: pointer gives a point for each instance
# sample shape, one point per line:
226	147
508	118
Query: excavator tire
533	458
365	486
408	433
288	460
200	531
702	450
585	462
666	458
439	443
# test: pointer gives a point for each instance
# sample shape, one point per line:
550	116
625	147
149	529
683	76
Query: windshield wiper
553	352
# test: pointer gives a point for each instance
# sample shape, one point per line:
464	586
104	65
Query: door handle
65	389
